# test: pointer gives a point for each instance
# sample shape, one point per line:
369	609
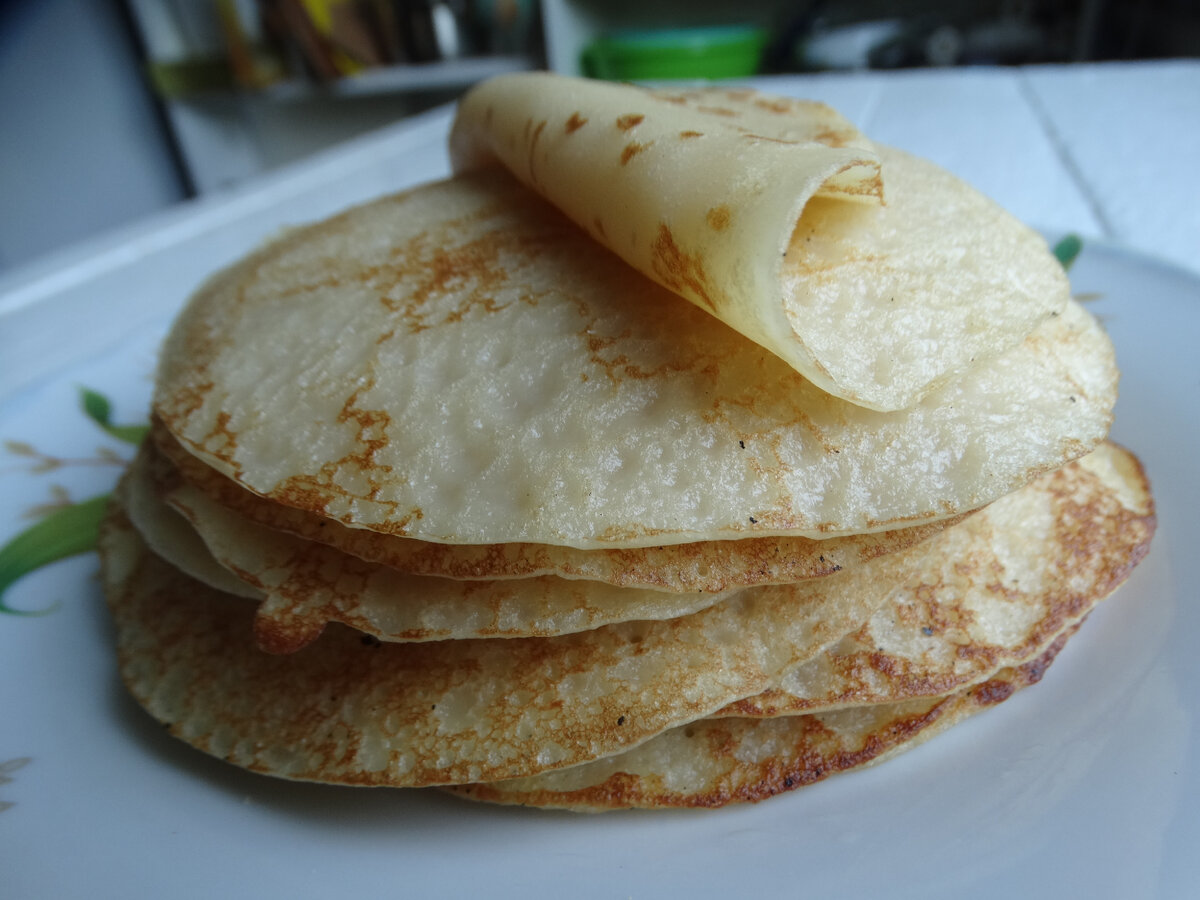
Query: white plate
1084	786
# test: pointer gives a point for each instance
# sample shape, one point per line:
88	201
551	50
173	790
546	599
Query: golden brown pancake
349	709
721	761
978	605
701	566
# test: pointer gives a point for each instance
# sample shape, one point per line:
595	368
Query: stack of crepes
458	488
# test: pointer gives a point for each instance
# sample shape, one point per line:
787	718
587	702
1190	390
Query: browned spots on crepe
708	566
632	149
629	121
281	628
372	427
1090	539
619	367
807	750
314	492
307	492
992	692
681	272
869	187
930	610
834	137
220	440
441	268
762	138
776	105
687	135
332	280
575	123
722	111
718	217
189	399
1096	540
430	270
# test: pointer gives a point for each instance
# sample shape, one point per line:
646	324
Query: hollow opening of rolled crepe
890	292
859	182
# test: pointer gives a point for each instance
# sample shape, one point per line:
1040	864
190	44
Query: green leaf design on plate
99	410
1067	249
65	532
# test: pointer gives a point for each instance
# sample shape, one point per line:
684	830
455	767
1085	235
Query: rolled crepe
769	213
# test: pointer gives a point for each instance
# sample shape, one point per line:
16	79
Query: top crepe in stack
558	515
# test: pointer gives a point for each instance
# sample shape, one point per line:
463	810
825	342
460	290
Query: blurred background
113	109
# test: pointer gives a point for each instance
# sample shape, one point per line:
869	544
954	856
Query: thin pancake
700	567
452	711
998	590
739	202
723	761
168	534
374	368
302	585
351	710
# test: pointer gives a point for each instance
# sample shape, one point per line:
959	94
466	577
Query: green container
729	52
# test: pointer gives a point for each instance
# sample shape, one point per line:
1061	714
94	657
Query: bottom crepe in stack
765	690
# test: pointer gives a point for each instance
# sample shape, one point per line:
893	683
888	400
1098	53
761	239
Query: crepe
301	586
721	761
349	709
699	567
979	605
168	534
979	623
768	214
374	369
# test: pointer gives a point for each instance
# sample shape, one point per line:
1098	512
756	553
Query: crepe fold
874	275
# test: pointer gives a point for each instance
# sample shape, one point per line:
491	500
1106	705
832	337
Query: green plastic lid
732	51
